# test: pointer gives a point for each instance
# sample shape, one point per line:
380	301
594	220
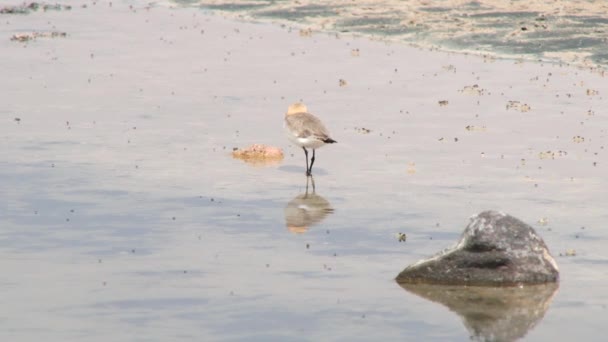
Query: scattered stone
495	249
473	128
473	90
306	32
578	139
449	67
592	92
26	8
552	154
28	36
522	107
569	252
543	221
363	130
443	103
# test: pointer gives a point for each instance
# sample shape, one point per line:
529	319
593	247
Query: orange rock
259	153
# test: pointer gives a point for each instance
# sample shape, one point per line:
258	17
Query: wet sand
126	217
562	31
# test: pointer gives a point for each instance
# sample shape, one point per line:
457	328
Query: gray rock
495	249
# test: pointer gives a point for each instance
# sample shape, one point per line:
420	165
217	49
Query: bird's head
297	107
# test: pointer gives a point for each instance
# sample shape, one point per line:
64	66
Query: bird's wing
305	125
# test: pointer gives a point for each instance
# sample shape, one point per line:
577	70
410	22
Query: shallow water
125	218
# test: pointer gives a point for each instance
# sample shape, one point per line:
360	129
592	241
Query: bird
306	130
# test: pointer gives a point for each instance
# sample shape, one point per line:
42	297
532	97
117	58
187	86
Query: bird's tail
329	141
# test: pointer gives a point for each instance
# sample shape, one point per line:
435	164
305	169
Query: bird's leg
312	161
306	154
309	179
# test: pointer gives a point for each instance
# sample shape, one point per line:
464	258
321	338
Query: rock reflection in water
492	313
306	210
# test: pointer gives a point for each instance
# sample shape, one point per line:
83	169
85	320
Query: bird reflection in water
306	210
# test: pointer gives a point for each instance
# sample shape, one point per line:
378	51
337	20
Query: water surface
125	218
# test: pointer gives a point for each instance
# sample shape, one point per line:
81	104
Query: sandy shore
126	217
560	31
